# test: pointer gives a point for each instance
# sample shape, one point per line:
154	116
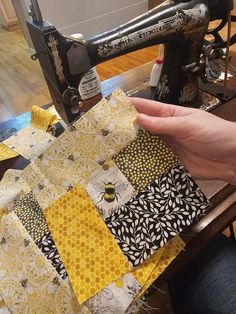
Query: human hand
205	144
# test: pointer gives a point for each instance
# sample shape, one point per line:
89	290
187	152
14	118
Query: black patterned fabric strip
48	248
164	209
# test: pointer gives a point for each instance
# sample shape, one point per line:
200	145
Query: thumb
174	126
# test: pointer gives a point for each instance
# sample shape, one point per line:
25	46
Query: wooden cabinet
8	18
154	3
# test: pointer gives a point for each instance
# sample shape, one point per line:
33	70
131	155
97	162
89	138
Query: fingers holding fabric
158	109
170	125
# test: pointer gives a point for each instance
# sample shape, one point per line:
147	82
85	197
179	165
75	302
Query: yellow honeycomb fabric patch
28	282
143	271
89	252
170	252
6	152
144	159
41	118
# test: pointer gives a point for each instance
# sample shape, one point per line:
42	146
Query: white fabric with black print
164	209
49	249
116	297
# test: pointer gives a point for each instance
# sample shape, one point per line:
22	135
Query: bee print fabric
103	165
156	214
144	159
89	143
109	189
45	191
29	142
11	187
115	298
28	282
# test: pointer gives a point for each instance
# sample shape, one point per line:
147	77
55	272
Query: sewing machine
181	25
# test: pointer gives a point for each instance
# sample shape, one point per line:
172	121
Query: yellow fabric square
170	251
89	252
41	118
143	271
6	152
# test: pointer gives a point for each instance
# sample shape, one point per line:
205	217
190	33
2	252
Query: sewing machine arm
180	25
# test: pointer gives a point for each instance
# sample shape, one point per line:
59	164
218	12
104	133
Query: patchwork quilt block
102	203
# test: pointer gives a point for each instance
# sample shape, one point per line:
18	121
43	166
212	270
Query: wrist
232	175
232	159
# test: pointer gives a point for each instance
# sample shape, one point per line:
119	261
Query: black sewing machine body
180	25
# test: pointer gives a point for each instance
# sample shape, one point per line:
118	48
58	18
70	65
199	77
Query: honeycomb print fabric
41	118
156	214
144	159
88	250
31	216
28	282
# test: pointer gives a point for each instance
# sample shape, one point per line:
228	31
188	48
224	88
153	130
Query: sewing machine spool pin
35	12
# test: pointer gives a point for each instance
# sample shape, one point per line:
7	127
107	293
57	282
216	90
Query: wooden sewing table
222	211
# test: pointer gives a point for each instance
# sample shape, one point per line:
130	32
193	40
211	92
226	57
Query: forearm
232	173
231	155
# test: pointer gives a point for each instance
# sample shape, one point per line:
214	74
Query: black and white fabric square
164	209
49	249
